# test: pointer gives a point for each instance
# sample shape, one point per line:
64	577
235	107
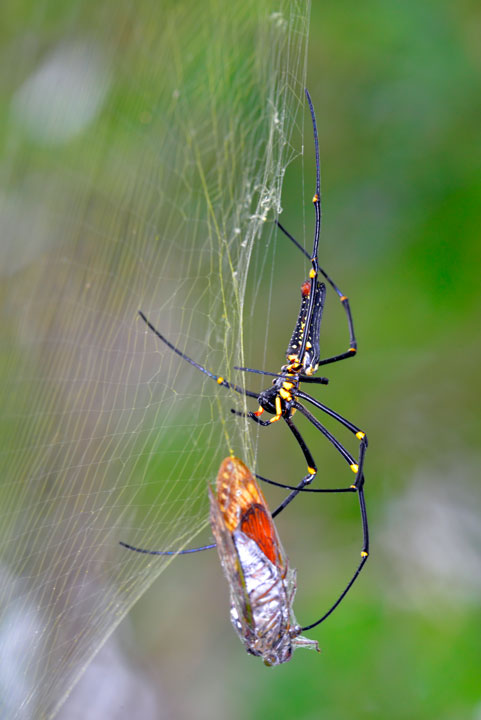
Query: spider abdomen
311	354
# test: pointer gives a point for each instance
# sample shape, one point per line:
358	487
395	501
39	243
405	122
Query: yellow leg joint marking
311	471
278	406
360	435
343	297
315	198
312	273
354	467
220	380
364	554
259	411
285	394
353	487
352	350
275	418
287	385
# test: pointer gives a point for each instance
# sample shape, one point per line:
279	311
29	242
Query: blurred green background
96	226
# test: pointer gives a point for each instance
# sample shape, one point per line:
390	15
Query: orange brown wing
243	506
257	524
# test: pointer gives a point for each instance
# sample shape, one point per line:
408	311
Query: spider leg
355	467
166	552
339	447
304	378
349	489
332	413
311	468
252	416
364	551
314	380
360	435
218	378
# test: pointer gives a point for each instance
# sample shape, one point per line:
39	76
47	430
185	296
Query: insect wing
261	585
251	557
229	561
258	525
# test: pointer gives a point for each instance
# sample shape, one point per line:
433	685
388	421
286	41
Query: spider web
145	151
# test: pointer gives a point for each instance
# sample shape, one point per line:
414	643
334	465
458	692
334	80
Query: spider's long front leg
217	378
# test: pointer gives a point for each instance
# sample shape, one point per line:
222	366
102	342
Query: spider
282	399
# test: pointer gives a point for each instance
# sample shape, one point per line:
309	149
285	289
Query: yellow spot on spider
287	385
352	350
353	487
312	273
311	471
354	467
315	198
360	435
220	380
364	554
285	394
342	298
308	345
